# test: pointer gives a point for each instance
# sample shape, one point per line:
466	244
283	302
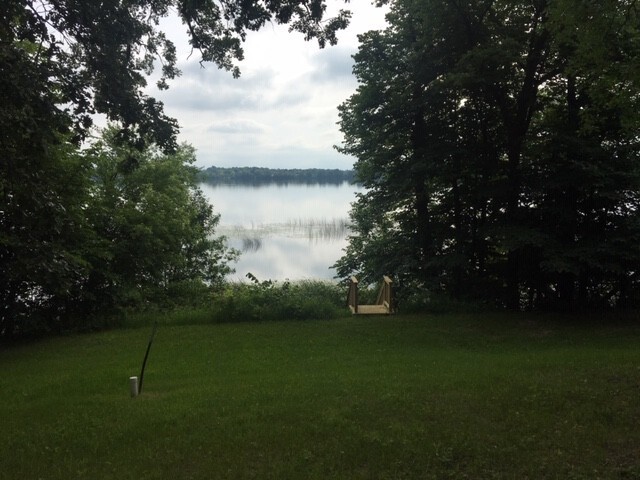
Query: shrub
425	301
270	300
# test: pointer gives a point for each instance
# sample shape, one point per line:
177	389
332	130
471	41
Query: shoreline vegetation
258	176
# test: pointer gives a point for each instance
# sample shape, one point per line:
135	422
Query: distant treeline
281	176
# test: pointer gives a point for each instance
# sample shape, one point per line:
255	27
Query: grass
484	396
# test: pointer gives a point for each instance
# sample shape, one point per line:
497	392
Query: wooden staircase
382	305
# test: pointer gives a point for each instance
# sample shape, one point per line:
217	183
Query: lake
284	232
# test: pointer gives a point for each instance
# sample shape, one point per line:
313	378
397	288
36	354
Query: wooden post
133	386
353	295
384	294
387	290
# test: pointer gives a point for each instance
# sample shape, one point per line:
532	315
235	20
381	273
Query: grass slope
398	397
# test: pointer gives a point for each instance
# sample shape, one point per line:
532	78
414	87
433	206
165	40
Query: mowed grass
486	396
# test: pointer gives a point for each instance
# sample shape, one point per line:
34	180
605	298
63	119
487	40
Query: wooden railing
383	304
384	295
352	296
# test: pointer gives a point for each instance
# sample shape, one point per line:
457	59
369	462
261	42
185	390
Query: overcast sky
282	111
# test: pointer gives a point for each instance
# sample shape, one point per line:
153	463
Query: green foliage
97	56
243	302
110	238
418	300
158	227
270	300
44	236
257	176
498	143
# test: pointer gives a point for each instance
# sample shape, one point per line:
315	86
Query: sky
282	111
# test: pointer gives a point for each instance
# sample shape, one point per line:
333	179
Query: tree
155	228
499	143
586	136
123	238
44	236
404	125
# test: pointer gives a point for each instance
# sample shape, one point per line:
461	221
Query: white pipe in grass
133	386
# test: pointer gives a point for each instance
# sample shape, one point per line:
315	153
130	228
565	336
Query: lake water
284	231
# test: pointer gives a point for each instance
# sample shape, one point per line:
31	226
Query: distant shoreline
256	176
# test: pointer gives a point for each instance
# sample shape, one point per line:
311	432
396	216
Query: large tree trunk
421	196
568	200
513	194
517	120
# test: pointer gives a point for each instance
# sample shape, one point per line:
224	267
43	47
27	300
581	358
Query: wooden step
382	306
372	310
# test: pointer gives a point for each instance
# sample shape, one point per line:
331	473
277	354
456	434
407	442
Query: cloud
281	112
334	64
217	91
212	89
244	127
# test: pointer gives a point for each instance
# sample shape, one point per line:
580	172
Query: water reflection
285	232
315	231
251	244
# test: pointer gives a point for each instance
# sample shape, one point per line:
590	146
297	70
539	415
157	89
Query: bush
186	293
425	301
270	300
189	303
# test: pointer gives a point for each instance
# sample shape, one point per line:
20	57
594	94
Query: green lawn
421	397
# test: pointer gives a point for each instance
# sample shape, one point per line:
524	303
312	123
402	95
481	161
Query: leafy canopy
93	57
498	142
